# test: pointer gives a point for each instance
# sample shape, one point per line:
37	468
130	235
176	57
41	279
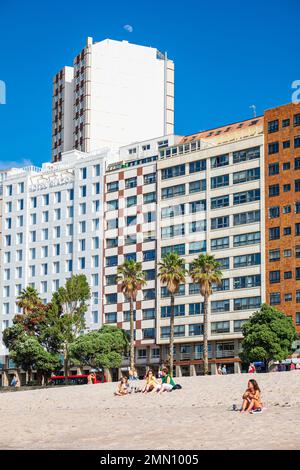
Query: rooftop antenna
254	109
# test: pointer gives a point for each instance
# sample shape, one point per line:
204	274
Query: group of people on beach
164	383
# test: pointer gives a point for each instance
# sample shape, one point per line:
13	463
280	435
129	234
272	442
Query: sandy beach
196	417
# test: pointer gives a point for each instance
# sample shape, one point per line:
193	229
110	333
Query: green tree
205	271
102	349
172	273
268	335
131	278
69	309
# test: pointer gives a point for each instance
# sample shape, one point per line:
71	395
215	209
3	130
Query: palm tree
28	300
205	271
131	279
172	273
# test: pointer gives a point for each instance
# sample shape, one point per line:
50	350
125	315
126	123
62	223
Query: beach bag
177	387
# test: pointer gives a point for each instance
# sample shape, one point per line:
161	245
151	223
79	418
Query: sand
196	417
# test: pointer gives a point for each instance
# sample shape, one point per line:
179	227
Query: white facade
122	93
52	227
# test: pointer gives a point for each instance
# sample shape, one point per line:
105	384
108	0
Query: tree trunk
205	331
66	364
132	365
172	320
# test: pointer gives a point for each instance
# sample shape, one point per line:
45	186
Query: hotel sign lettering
52	183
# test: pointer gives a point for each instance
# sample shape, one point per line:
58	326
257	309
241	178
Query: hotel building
115	93
52	227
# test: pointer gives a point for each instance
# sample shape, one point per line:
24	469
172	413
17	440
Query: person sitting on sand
122	388
251	398
167	382
151	382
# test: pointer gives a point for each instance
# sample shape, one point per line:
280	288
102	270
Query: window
287	231
274	212
148	333
286	166
238	325
149	294
111	317
298	318
273	169
273	126
111	261
197	206
246	218
172	231
220	327
179	311
150	178
274	255
247	303
246	175
82	191
275	298
287	209
149	197
172	211
224	262
219	181
297	251
173	191
196	329
219	243
274	276
245	282
274	233
179	249
96	170
149	255
111	298
246	239
288	274
286	188
221	160
296	120
130	257
194	289
130	220
113	205
219	222
287	253
179	331
131	201
218	306
244	155
197	226
172	172
286	144
113	186
242	261
149	313
273	148
112	224
197	247
199	165
285	122
197	186
165	293
297	142
83	173
131	182
218	202
196	308
146	147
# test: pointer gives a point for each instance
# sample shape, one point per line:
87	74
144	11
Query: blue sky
228	56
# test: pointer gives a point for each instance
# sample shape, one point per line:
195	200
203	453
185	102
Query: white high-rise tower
115	94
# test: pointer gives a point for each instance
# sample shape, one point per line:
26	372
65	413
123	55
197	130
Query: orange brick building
282	208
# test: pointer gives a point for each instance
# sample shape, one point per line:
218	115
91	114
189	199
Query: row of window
274	211
273	147
274	232
274	189
274	255
275	276
273	126
274	168
113	186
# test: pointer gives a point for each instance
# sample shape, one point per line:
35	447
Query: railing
223	354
